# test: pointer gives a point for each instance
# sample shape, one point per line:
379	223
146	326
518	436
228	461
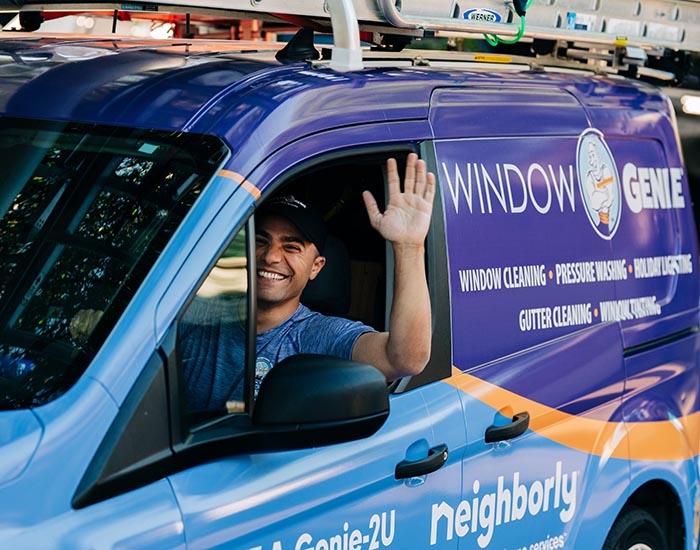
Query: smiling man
290	239
289	251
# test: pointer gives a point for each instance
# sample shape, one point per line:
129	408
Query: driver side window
212	336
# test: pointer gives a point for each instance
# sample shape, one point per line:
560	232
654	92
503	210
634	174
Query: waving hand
407	216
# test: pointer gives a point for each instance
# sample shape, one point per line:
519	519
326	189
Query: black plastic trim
440	363
137	444
658	342
251	318
437	456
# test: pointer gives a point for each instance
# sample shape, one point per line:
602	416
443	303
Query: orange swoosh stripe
673	439
235	176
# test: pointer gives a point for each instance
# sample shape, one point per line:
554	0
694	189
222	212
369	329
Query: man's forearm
405	349
410	333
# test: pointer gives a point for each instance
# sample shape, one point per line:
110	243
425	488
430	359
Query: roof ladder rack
649	24
444	25
347	53
623	26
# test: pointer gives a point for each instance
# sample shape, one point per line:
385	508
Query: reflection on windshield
86	210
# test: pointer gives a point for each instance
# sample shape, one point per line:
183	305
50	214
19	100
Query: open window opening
355	284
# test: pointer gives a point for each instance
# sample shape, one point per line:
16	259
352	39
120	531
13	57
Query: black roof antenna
299	48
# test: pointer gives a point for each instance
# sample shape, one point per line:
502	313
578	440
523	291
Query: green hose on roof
494	40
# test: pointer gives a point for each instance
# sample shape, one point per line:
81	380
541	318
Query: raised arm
405	349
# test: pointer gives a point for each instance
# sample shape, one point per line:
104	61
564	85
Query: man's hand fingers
421	182
392	176
372	208
430	187
409	182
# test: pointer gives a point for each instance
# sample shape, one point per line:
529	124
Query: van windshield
85	212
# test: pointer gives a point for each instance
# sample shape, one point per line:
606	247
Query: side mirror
319	400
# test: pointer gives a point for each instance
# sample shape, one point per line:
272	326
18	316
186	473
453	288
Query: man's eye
292	248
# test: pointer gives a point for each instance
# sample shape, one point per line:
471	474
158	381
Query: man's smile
270	275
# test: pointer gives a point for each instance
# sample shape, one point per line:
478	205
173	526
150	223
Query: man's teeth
268	275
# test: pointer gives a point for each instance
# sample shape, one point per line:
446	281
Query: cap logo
308	221
289	200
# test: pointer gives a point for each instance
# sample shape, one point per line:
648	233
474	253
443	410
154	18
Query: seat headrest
329	292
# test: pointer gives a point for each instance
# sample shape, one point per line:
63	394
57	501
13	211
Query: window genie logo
543	179
598	182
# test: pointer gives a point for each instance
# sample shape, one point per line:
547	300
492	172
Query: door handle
437	456
519	426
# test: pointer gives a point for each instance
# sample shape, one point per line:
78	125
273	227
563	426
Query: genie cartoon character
599	180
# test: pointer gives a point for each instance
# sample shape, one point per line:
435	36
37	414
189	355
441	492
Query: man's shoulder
306	316
306	326
319	325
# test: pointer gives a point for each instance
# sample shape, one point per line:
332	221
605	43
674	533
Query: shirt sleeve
332	335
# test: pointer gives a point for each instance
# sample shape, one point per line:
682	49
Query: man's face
286	261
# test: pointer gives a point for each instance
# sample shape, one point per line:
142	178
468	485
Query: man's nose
271	254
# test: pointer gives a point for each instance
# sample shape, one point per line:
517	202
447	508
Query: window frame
440	364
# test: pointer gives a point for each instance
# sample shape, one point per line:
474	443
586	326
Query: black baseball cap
306	219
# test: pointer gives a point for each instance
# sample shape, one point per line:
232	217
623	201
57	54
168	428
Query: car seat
329	292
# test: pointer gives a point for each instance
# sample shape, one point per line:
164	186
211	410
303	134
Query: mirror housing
321	400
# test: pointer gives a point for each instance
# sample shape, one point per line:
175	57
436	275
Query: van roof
132	82
223	89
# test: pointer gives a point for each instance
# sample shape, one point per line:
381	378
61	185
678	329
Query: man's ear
317	266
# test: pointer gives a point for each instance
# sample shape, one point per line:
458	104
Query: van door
350	495
541	376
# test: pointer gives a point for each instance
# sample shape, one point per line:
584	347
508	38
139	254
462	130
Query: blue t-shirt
212	347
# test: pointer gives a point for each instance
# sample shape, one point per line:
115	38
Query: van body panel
481	111
119	97
524	323
533	375
520	190
81	419
664	256
347	490
281	112
517	480
580	440
494	189
132	88
21	432
661	397
148	518
661	385
332	143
